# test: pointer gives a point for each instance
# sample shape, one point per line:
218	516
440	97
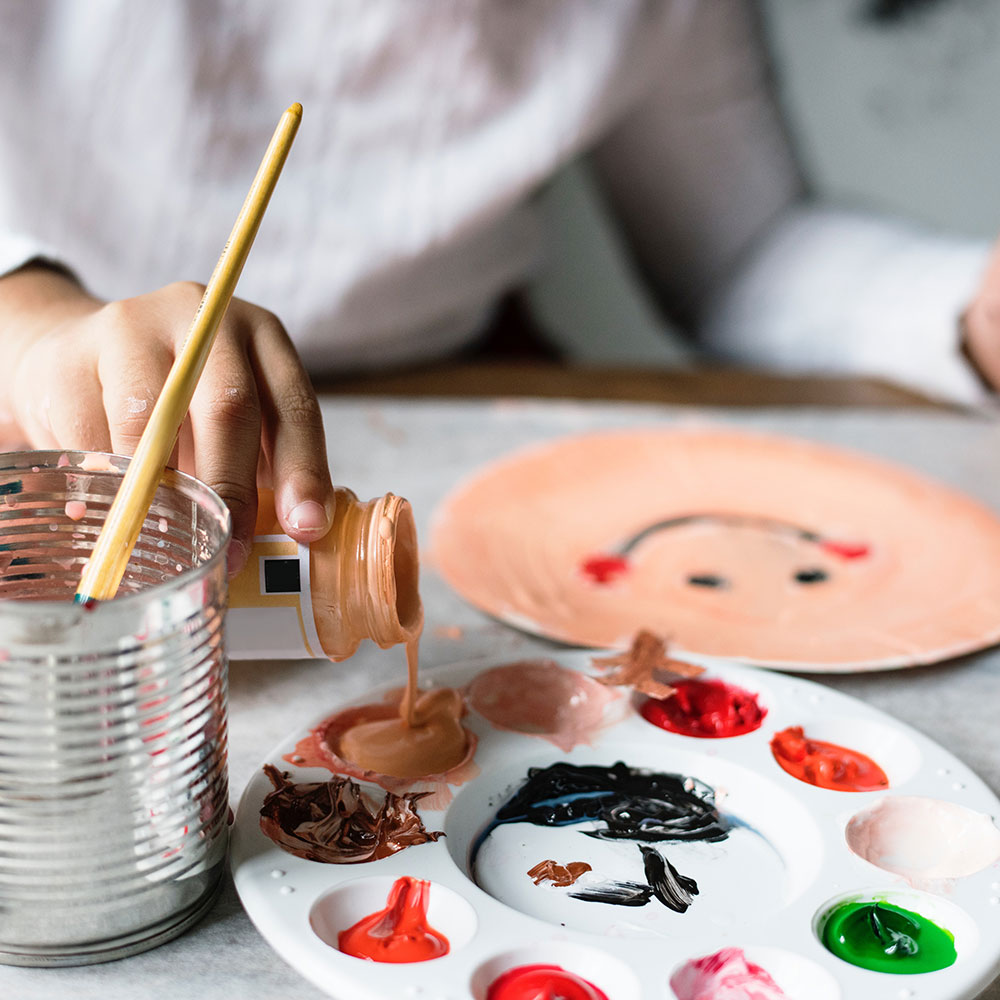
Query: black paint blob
628	804
812	576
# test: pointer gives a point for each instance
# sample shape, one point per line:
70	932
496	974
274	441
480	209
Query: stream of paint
542	982
826	765
398	933
884	937
424	737
709	709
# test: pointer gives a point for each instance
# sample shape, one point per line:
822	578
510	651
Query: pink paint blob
726	975
709	709
923	839
541	698
76	510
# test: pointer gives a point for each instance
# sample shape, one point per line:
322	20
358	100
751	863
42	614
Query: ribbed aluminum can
113	725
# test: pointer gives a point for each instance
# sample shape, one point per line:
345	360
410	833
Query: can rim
190	486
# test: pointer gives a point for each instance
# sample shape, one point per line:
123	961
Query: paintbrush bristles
106	566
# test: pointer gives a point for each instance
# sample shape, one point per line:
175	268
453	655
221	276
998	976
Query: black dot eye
707	580
811	576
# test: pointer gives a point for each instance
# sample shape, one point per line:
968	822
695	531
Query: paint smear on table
883	937
924	839
542	982
707	709
398	933
767	549
333	821
726	975
541	698
826	765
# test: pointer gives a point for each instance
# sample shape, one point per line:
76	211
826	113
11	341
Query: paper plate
764	888
774	551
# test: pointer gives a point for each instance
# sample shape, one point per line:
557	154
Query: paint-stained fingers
225	432
132	375
293	437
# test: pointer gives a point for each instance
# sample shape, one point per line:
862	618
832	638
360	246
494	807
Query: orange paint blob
400	932
826	765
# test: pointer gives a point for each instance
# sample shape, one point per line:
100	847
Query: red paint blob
846	550
400	932
826	765
706	709
604	569
542	982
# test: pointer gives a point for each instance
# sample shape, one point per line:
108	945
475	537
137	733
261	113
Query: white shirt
130	130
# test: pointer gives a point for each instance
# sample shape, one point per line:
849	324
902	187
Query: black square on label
281	576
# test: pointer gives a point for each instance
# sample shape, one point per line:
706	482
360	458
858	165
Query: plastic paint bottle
360	581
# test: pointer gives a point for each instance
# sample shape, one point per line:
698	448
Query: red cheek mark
706	709
540	982
846	550
400	932
604	569
826	765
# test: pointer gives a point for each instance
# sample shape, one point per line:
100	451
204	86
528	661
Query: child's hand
83	374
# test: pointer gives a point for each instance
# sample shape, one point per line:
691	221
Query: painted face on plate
737	568
776	551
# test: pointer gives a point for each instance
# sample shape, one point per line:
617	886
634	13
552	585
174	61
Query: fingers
132	376
64	410
76	414
225	426
293	438
981	325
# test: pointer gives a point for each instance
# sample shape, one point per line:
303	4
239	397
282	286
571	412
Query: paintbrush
106	566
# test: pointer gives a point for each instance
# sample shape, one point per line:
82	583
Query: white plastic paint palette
764	889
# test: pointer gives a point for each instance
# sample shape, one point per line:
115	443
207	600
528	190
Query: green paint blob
886	938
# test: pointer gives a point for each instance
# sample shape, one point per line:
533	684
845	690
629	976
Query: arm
81	373
703	178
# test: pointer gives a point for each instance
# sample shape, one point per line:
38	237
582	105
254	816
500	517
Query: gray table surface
421	449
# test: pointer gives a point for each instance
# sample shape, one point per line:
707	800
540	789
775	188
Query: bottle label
270	603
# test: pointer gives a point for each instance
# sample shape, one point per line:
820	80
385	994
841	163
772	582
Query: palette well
766	549
735	853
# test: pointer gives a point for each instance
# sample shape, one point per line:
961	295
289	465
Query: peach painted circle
513	540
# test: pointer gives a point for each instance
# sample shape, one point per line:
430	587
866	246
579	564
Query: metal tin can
113	725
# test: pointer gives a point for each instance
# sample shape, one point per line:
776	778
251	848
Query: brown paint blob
541	698
557	874
826	765
331	821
